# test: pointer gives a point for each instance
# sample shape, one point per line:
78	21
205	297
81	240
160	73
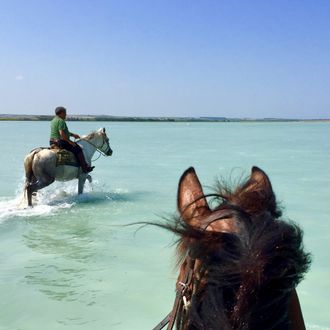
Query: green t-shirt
56	125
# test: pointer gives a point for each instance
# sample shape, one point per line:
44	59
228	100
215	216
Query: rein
183	287
98	149
180	297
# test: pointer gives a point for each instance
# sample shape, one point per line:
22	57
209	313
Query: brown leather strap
181	288
162	323
171	317
217	215
174	312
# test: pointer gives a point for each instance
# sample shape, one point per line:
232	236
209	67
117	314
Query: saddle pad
65	157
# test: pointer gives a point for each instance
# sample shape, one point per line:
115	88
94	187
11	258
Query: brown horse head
239	262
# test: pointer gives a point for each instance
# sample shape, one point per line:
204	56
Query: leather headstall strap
181	288
216	216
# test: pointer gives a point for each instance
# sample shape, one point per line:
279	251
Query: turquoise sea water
68	264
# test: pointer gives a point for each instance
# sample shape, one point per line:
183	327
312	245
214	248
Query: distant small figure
60	137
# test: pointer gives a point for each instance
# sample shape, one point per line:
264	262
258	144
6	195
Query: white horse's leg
37	185
81	182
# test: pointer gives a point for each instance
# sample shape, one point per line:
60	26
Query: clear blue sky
166	57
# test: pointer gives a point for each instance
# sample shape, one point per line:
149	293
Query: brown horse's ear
192	203
257	193
258	180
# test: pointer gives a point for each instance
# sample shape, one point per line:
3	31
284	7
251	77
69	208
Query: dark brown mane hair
244	278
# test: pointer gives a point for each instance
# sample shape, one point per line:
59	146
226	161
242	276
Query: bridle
184	289
182	297
105	141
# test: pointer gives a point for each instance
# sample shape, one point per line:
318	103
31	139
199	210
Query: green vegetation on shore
8	117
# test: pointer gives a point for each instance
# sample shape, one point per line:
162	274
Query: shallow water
68	263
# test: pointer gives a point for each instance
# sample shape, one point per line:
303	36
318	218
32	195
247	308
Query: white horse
41	168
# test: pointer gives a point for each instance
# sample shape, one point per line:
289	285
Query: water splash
59	195
47	201
10	208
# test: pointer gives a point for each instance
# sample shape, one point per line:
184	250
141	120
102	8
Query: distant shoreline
9	117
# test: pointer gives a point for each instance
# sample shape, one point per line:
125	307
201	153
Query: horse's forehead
101	130
98	134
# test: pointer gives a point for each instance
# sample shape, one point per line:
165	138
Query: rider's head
60	111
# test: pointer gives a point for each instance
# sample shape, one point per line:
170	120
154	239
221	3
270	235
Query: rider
60	136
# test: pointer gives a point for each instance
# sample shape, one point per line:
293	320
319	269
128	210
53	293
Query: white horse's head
100	140
105	147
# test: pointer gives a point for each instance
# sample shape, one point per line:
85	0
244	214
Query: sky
215	58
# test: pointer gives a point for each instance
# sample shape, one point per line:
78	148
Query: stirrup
88	169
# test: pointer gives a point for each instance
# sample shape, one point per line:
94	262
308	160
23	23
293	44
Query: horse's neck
88	148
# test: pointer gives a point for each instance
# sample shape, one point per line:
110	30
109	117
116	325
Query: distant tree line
8	117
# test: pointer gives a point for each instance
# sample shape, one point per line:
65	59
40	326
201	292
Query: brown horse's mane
245	279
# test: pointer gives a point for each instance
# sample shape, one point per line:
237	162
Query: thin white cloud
19	77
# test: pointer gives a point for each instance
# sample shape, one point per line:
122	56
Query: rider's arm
76	136
295	314
65	137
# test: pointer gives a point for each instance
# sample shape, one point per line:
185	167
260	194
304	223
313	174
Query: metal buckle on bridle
186	302
181	289
184	287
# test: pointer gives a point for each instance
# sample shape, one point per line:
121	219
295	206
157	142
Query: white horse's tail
29	175
28	162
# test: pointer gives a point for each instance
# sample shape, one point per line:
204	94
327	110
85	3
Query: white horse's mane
91	135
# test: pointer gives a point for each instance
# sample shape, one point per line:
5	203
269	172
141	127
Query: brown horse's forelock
245	279
249	202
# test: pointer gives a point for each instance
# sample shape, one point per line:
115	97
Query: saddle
64	157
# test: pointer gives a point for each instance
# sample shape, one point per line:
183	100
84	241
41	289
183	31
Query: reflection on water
71	254
65	249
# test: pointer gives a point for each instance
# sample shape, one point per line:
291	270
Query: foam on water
12	208
47	201
57	196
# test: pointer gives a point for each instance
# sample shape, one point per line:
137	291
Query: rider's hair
59	110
